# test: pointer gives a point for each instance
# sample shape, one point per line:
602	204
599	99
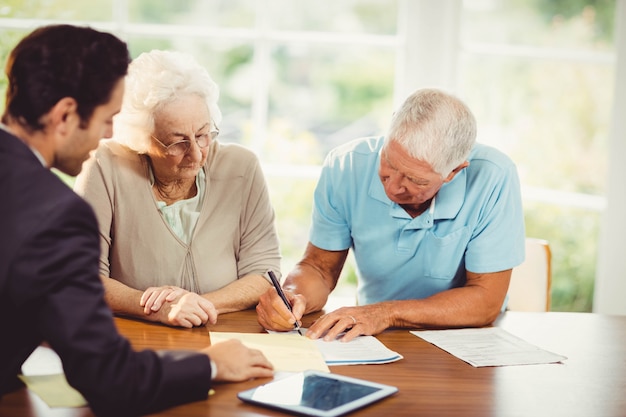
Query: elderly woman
187	228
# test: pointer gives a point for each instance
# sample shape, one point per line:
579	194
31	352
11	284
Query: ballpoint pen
280	292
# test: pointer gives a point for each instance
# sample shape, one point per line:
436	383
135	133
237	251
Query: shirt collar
451	196
35	151
38	155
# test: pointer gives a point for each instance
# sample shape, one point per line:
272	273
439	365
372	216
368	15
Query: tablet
318	394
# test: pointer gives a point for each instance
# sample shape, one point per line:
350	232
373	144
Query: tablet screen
317	394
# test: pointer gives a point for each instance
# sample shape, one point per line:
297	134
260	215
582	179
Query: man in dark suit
65	84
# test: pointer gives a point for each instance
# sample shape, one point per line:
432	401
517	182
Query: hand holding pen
282	295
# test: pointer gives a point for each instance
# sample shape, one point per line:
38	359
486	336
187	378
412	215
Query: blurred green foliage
572	234
552	117
601	12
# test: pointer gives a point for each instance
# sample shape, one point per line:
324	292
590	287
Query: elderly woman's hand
154	297
188	310
178	307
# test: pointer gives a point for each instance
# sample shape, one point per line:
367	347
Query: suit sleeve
78	325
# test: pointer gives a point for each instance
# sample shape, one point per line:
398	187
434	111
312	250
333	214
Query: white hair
434	127
154	79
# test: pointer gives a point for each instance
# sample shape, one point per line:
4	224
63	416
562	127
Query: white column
610	286
428	56
261	67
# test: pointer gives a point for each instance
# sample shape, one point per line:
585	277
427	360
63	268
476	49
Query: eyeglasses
182	147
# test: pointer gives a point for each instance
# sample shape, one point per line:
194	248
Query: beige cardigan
235	234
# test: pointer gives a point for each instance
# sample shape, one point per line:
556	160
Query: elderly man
434	220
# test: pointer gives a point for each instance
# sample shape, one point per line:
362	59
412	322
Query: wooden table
590	383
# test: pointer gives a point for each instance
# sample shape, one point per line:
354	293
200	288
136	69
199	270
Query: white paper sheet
489	346
43	361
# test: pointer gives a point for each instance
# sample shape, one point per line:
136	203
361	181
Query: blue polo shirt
475	223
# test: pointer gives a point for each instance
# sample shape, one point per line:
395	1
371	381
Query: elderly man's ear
456	171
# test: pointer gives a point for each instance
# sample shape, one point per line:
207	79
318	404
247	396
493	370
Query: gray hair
434	127
156	78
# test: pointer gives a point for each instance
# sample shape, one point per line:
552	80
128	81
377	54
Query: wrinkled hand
153	298
273	314
355	321
235	362
188	310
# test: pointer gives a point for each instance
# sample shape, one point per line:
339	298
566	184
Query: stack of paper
291	352
360	350
288	352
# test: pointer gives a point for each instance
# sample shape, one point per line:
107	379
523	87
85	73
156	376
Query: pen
280	292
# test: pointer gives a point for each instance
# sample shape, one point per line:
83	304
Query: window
298	78
540	80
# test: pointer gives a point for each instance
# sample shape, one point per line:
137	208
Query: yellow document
43	374
54	390
287	352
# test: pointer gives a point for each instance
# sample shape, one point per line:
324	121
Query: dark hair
58	61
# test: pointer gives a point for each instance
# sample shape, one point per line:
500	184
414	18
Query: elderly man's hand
354	321
273	314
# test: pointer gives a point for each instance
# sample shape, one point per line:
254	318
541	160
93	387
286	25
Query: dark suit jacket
50	291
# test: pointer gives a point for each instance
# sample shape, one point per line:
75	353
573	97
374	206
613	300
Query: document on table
286	351
361	350
358	351
43	374
489	346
